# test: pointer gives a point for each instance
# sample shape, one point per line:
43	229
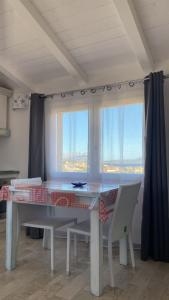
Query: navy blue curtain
36	166
155	222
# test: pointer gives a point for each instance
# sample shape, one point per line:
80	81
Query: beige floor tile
32	279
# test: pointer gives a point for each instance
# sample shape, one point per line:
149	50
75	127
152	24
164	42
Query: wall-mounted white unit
20	101
4	95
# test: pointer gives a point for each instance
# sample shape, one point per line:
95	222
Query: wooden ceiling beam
130	21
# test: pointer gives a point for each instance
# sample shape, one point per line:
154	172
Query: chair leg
86	239
68	253
75	245
110	261
45	239
123	251
131	250
52	250
18	231
18	225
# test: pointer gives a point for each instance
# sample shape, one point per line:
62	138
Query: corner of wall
14	149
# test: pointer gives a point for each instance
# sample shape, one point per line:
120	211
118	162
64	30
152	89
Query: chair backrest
123	212
37	181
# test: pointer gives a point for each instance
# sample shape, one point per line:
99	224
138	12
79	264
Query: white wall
14	149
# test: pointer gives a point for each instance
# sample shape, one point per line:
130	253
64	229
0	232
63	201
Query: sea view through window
120	143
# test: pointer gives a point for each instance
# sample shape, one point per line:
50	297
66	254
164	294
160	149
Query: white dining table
89	194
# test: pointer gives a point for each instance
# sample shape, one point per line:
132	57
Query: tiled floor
33	280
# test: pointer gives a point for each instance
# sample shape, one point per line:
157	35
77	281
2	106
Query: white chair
118	228
37	181
50	225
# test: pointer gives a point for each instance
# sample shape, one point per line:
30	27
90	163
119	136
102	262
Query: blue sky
122	132
75	129
118	124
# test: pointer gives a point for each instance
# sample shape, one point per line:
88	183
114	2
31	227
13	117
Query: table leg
47	239
11	235
123	251
96	254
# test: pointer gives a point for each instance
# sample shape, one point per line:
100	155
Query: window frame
59	133
94	144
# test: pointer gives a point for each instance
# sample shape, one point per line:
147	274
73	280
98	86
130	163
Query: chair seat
84	228
48	222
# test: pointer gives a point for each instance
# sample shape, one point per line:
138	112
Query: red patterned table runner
107	200
42	195
4	193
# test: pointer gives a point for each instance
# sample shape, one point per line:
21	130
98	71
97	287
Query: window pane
75	141
122	139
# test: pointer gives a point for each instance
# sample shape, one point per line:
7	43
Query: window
96	141
72	147
121	139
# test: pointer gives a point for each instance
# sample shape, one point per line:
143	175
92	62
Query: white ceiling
54	45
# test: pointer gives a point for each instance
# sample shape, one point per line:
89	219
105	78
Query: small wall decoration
20	101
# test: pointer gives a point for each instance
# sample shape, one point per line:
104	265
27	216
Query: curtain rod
107	87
